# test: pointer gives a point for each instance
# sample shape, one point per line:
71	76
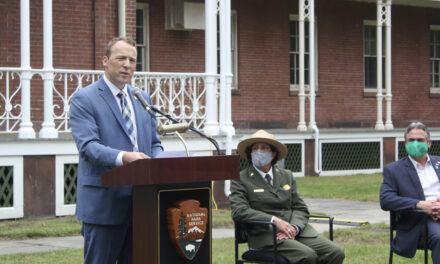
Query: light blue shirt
115	91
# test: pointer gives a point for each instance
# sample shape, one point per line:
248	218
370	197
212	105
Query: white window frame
295	87
146	29
62	209
433	90
303	155
372	89
16	211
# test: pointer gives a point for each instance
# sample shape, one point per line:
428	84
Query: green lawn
368	244
362	187
365	245
38	228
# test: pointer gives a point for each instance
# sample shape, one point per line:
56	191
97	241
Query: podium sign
187	227
161	185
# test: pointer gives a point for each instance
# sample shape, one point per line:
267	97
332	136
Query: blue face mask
261	158
416	149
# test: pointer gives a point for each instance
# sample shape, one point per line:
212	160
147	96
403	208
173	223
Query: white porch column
226	124
121	18
388	96
25	130
48	127
222	41
301	95
311	15
229	125
379	96
211	124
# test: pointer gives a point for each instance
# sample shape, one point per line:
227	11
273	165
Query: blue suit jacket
401	190
100	134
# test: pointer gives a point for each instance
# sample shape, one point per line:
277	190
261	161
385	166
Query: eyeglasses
417	139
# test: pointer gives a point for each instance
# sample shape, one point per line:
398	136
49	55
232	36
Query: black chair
259	256
394	217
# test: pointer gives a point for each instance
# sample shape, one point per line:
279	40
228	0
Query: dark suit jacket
100	134
401	190
252	198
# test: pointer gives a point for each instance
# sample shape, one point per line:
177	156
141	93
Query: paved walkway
342	210
347	211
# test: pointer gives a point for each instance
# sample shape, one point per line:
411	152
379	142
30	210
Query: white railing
10	107
66	83
181	95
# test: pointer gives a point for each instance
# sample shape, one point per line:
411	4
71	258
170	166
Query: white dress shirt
428	178
263	174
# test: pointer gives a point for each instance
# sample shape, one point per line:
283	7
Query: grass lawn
367	245
38	228
362	187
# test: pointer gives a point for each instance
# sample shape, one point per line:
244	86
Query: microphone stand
184	143
191	127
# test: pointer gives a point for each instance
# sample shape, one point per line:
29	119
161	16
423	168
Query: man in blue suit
414	183
110	129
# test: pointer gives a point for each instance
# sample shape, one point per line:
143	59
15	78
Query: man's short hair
112	42
417	125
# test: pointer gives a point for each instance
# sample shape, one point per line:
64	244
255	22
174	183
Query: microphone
176	126
137	93
179	127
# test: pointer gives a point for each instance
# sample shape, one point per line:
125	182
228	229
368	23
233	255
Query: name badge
258	190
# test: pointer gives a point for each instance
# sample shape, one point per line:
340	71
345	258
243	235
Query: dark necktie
126	115
268	179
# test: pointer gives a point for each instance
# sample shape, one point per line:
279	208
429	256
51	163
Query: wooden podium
157	185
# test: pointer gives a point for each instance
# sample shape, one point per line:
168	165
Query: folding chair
260	256
394	217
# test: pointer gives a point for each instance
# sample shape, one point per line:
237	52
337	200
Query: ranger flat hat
262	136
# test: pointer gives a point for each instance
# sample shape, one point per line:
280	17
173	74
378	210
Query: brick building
234	76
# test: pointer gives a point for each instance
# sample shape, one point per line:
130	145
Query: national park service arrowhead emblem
187	227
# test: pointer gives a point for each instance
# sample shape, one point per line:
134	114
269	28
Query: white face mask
261	158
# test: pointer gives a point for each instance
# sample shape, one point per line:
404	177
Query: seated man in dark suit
268	193
414	183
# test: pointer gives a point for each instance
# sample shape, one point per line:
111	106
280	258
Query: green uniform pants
310	250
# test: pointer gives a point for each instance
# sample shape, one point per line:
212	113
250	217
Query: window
142	32
434	43
234	55
370	56
294	54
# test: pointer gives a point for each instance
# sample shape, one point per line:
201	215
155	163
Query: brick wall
263	99
82	28
263	67
10	33
173	50
341	100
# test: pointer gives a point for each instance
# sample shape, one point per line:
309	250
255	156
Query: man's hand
432	208
287	230
435	215
128	157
